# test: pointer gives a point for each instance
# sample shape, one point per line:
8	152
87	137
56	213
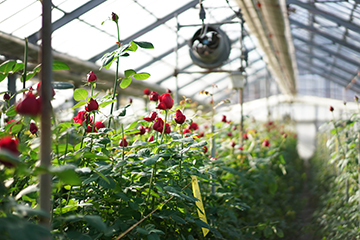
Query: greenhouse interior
212	119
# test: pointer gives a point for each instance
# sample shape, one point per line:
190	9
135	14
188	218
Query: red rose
123	143
6	97
167	128
180	117
223	118
142	130
245	136
29	106
266	143
151	117
168	91
284	135
91	77
33	128
158	125
205	149
147	129
38	90
201	134
193	126
186	130
166	101
232	144
154	96
89	128
241	148
114	17
81	117
130	100
11	145
147	91
99	124
331	109
229	134
151	138
92	105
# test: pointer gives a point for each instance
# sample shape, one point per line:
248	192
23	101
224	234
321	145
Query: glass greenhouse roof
325	36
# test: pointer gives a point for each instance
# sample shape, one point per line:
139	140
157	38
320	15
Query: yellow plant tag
199	204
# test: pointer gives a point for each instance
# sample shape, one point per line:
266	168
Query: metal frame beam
325	35
147	28
325	15
68	17
322	48
315	70
326	61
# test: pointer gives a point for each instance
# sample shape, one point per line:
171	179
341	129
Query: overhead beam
68	17
316	71
325	35
325	61
147	28
326	15
324	49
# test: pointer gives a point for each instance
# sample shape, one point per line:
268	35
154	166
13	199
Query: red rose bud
356	98
91	77
168	91
154	96
11	145
167	128
33	128
229	134
29	106
266	143
99	124
241	148
81	117
223	118
150	139
186	130
232	144
245	136
151	117
180	117
233	128
285	135
201	134
142	130
89	129
331	109
130	100
193	126
92	105
123	143
158	125
38	90
146	91
114	17
147	129
205	149
166	101
6	97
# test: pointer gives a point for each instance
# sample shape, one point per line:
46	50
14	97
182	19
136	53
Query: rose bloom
146	91
158	125
232	144
6	97
151	138
91	77
30	105
99	124
9	144
38	90
151	117
180	117
186	130
205	149
154	96
167	128
92	105
223	118
331	109
245	136
193	126
229	134
123	143
165	102
142	130
81	117
33	128
89	128
266	143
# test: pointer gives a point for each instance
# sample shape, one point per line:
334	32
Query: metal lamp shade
237	80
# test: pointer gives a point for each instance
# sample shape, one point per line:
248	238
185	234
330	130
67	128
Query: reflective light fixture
238	79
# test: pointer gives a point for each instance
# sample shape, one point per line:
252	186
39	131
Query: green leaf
133	47
267	232
107	60
178	219
66	174
104	104
80	94
79	104
142	231
141	76
129	73
7	66
153	236
58	65
18	66
125	82
151	160
279	233
146	45
132	125
96	222
2	76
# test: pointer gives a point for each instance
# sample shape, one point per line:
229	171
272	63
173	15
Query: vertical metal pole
45	138
359	176
241	128
12	87
177	60
242	58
